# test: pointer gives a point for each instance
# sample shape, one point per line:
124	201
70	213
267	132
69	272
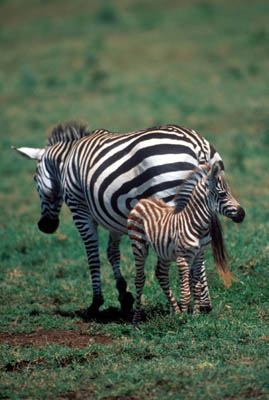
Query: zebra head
221	198
48	188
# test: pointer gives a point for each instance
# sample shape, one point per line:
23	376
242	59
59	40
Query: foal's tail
220	252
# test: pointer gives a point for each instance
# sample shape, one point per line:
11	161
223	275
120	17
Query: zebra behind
180	234
101	176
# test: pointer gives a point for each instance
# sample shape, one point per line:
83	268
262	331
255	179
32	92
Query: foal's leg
140	251
184	276
113	254
205	301
205	304
161	273
196	282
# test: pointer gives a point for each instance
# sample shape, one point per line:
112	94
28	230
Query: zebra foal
181	233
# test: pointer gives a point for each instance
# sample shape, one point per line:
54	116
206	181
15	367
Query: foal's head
220	198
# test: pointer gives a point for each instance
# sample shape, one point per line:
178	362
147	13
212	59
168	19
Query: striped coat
180	233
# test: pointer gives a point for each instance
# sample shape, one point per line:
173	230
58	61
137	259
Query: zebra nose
48	225
240	215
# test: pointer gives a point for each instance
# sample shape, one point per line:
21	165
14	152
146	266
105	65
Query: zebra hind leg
139	284
140	251
161	273
125	298
94	262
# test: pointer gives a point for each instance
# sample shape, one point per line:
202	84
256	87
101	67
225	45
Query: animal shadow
111	314
116	315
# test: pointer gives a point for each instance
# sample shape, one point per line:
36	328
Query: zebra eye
222	194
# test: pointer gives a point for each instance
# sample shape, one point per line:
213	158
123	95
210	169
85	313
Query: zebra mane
186	188
68	132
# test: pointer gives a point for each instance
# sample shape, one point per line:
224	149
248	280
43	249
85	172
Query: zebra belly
165	253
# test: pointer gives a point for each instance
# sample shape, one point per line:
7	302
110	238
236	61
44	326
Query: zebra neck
197	211
56	157
195	182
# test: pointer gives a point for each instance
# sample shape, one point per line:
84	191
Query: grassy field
123	65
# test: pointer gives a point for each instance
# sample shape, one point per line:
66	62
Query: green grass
126	65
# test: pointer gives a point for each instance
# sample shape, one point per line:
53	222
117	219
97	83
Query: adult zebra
101	175
180	233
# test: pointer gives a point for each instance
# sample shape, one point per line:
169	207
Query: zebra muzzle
240	215
48	225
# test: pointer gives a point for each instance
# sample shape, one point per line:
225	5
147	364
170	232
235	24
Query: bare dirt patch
62	337
83	394
121	398
79	395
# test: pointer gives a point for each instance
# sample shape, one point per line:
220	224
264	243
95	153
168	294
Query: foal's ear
216	171
30	152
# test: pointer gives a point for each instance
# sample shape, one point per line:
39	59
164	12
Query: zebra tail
219	252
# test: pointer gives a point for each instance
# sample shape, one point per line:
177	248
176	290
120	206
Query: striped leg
184	276
140	250
205	303
196	282
113	254
88	232
162	270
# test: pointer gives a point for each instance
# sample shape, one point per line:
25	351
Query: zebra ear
30	152
216	170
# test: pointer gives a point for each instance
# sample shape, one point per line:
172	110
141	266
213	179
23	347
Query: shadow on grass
113	314
109	315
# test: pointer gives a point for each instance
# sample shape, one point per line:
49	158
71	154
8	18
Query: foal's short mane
186	188
67	133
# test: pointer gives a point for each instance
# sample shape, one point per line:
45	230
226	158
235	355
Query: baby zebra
181	234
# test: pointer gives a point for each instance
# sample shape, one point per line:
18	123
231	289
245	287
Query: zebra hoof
94	307
126	300
205	309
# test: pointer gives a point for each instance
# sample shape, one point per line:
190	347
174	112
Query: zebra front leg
88	232
205	303
140	251
139	284
184	276
113	254
161	273
196	282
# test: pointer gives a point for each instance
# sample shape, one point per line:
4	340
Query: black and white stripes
102	175
180	233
